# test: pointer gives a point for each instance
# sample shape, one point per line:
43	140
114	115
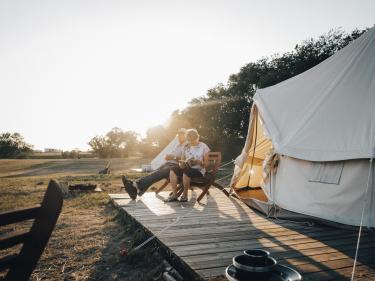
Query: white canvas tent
310	139
159	159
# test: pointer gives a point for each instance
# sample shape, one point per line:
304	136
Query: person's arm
196	162
169	157
172	157
202	162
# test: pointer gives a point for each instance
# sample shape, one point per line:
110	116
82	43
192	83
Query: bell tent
310	139
160	158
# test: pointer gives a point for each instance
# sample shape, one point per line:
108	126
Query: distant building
52	150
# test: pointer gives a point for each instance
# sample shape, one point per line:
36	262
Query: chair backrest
213	162
34	241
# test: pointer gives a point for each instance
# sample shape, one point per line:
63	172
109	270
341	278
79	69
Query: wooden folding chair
20	266
212	166
164	185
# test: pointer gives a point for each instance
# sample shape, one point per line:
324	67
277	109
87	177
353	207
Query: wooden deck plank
191	240
292	258
287	241
208	235
281	253
296	261
293	244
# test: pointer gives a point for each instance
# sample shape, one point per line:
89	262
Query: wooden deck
208	235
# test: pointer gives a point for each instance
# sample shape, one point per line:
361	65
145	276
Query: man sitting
140	186
191	166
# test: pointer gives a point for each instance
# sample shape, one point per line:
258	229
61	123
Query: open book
185	163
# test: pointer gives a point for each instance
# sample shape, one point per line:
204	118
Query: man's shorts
190	172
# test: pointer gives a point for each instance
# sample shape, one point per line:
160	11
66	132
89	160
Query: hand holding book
188	163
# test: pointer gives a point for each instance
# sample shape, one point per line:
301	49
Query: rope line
369	179
173	223
161	231
227	176
226	164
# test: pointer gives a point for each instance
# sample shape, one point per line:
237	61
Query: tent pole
272	193
255	145
369	182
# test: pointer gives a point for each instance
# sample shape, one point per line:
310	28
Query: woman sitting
192	165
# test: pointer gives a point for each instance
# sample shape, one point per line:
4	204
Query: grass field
90	234
57	167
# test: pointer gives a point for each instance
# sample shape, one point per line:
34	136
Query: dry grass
90	235
60	167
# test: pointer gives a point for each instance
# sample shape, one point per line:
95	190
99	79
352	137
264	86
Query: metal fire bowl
279	273
250	264
256	253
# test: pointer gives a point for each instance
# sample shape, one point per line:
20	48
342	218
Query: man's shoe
129	187
141	191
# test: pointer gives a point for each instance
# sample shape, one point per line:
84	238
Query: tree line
221	115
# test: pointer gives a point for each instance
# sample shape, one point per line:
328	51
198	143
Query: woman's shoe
183	199
171	199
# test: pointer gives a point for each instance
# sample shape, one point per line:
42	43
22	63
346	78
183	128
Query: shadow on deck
208	235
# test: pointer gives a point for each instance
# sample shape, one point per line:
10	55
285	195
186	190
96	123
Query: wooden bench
212	166
21	265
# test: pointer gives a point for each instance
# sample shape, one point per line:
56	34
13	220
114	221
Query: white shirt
178	151
197	152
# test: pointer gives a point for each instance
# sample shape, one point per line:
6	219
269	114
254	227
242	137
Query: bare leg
173	180
186	180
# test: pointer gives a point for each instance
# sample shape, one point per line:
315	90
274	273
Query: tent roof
326	113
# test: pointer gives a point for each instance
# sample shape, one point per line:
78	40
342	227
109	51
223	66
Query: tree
98	146
159	137
222	114
14	146
116	143
73	154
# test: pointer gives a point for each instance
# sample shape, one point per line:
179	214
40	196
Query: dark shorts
190	172
177	170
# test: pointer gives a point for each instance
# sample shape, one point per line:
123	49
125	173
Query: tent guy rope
175	222
369	182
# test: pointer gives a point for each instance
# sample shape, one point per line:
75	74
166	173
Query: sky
74	69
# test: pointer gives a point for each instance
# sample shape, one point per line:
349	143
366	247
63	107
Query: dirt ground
90	237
